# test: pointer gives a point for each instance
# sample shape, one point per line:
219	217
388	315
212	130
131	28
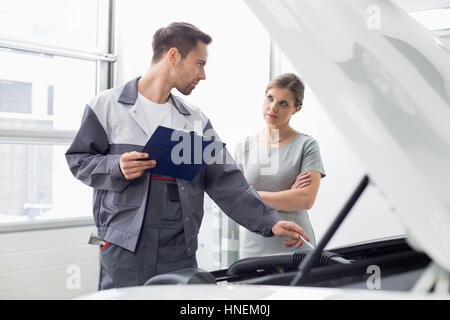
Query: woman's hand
303	180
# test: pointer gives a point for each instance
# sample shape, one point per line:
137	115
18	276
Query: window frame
105	68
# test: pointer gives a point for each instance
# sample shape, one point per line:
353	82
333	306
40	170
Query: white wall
43	264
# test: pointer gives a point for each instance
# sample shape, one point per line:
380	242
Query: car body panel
246	292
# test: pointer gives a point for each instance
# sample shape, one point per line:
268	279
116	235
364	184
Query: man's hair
292	82
181	35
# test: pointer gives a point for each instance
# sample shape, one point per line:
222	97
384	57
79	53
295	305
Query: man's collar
129	95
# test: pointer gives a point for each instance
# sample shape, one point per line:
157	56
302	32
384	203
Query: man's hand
303	180
289	229
132	168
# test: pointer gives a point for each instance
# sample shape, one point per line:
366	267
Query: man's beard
187	89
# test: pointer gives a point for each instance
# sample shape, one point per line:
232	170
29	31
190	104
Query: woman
282	164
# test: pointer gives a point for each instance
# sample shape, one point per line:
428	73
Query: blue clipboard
180	154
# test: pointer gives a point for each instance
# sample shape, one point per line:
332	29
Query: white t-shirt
156	114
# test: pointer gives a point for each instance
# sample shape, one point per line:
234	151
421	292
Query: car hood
243	292
385	82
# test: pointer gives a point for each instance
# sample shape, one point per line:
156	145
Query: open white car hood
385	82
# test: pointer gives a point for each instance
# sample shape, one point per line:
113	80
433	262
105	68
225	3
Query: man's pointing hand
289	229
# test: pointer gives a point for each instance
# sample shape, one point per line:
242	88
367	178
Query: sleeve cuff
268	222
116	174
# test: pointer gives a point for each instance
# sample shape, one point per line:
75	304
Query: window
49	89
67	23
55	55
16	96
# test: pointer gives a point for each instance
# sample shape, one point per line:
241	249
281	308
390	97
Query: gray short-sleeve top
275	169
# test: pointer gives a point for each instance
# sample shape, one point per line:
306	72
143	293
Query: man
151	222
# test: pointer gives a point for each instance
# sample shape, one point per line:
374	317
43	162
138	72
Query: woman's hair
289	81
181	35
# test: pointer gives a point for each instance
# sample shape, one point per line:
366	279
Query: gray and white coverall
151	223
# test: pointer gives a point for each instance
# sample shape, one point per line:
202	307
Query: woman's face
279	106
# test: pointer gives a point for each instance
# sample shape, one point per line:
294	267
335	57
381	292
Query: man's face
191	70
